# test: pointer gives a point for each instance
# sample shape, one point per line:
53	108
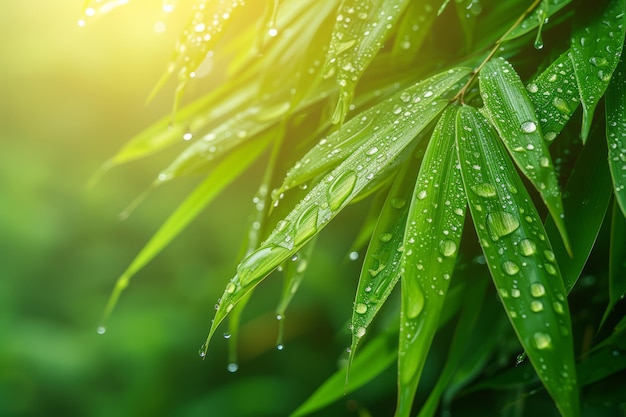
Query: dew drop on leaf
510	267
529	127
447	247
101	330
501	223
537	290
484	190
360	308
542	340
232	367
536	306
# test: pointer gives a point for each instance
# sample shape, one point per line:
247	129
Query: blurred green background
71	96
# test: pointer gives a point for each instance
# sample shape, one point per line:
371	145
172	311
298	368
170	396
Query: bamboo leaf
337	146
413	27
617	262
616	131
586	198
555	96
596	47
519	257
537	18
338	188
223	174
431	241
466	325
512	113
361	28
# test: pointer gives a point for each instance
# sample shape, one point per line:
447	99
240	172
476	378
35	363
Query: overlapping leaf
519	257
339	187
596	47
616	131
555	96
223	174
512	113
431	241
360	30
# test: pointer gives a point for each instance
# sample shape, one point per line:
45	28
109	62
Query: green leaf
555	96
596	47
586	199
512	113
413	27
360	29
373	359
519	257
475	303
431	241
537	18
223	174
616	131
617	261
381	266
336	190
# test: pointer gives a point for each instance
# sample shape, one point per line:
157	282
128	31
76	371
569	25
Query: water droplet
542	340
527	247
372	151
558	307
226	335
529	127
385	237
360	332
101	330
187	136
398	202
532	88
447	247
306	225
549	255
422	194
361	308
510	267
232	367
501	223
520	358
536	306
550	269
272	32
516	293
353	256
537	289
484	190
544	161
230	287
280	346
340	189
416	307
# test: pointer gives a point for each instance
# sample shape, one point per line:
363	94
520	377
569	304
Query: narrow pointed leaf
586	198
617	261
555	95
223	174
541	13
334	148
616	132
596	47
360	29
431	241
337	189
458	346
512	113
294	270
381	266
519	257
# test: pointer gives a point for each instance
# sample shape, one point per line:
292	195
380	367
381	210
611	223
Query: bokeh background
70	97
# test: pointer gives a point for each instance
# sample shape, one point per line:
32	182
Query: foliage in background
453	118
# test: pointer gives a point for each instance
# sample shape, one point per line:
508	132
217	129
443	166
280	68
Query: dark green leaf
616	131
617	261
596	45
519	257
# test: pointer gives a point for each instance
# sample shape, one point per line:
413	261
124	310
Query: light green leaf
555	96
596	47
616	131
519	257
376	120
373	359
381	266
431	241
337	189
360	29
586	199
224	173
512	113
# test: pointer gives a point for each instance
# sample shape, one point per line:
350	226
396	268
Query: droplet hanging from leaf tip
101	329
